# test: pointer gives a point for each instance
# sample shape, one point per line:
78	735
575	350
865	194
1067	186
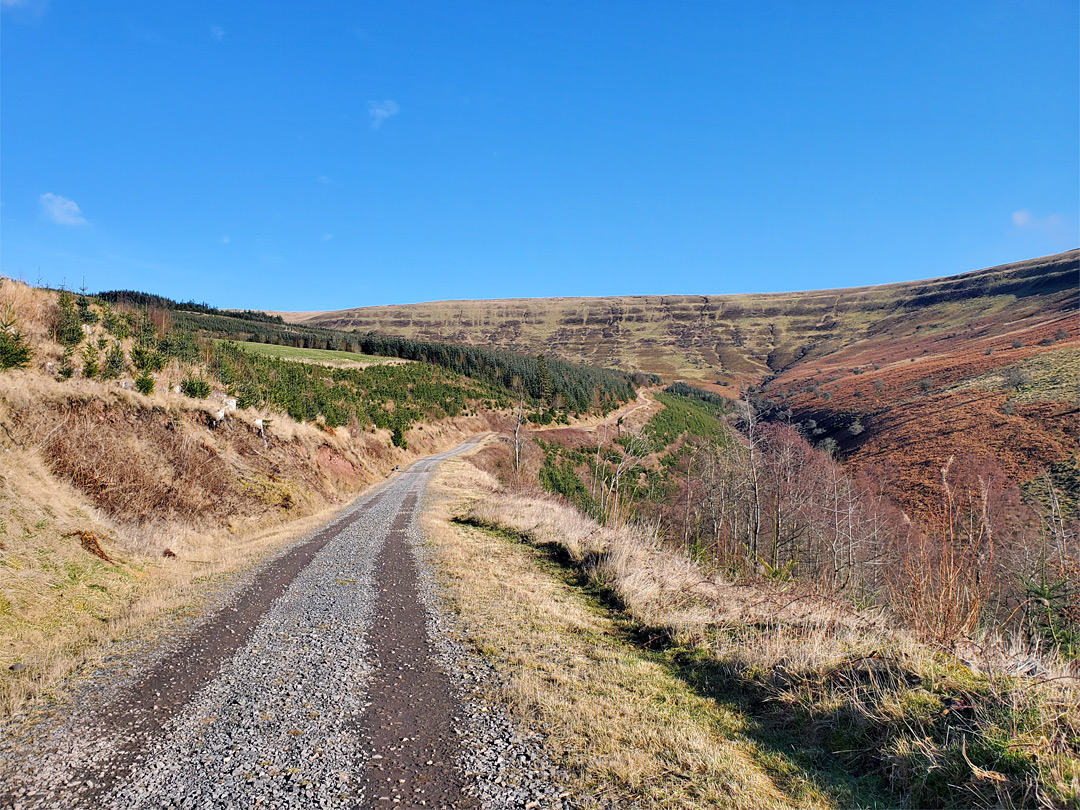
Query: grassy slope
699	338
620	722
319	356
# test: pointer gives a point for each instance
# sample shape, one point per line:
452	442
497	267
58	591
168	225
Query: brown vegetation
844	688
917	368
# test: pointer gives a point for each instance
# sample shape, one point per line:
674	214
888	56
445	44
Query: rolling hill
725	339
899	376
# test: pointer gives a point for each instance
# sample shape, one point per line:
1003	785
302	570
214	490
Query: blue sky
323	155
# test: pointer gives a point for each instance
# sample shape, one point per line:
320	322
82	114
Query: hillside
734	338
145	464
899	377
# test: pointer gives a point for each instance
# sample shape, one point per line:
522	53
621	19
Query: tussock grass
842	690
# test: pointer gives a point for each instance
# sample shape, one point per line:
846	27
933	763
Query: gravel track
328	681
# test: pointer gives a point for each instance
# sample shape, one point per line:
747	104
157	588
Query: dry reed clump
931	728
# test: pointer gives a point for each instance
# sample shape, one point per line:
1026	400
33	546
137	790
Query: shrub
116	324
90	361
14	353
66	368
145	384
925	384
856	427
67	327
398	438
1018	344
147	360
114	362
86	315
1014	377
195	387
1061	334
878	385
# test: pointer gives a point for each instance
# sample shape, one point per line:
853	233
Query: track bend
317	686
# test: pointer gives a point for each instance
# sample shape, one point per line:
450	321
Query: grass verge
660	686
625	727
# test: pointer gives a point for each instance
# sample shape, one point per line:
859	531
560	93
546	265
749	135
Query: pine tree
547	390
14	353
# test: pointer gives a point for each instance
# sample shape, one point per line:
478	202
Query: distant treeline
134	298
719	402
554	385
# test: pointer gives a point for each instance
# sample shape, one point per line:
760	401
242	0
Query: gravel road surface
329	679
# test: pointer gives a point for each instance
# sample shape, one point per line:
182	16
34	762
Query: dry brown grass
31	307
842	686
627	729
61	605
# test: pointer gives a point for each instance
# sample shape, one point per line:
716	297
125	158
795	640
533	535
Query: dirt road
322	683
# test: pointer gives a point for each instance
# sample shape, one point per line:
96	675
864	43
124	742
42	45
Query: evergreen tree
14	353
67	325
547	390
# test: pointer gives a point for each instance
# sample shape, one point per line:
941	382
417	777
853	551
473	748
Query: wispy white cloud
381	110
327	237
61	210
1059	229
324	180
226	239
25	10
217	32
